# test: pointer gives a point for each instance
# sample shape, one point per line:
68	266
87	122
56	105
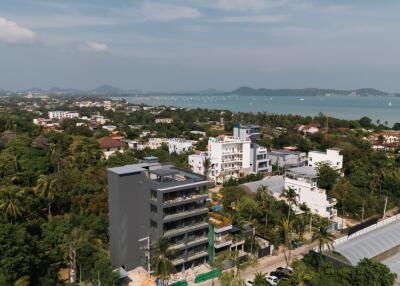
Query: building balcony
186	199
222	241
184	229
196	255
185	214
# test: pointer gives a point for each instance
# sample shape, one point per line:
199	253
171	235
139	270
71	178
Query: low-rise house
155	143
303	180
287	159
330	156
110	146
311	128
197	163
179	145
164	120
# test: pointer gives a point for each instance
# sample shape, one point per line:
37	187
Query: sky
198	44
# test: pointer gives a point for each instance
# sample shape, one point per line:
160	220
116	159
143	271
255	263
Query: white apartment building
196	163
259	160
304	181
330	156
155	143
179	145
229	157
251	131
60	115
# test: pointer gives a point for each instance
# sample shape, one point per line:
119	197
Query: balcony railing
186	198
186	228
186	213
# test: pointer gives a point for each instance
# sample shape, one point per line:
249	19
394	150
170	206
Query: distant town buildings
155	143
60	115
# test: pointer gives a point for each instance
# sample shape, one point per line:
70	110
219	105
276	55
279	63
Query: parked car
296	243
278	274
272	280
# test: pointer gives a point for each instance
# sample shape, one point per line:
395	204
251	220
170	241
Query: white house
304	181
164	120
60	115
229	157
179	145
196	162
330	156
110	146
155	143
287	159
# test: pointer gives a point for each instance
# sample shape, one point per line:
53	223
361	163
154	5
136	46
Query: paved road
266	264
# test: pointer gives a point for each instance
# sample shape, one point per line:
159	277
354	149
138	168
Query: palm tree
259	279
291	197
46	186
286	226
162	264
23	281
299	276
324	238
55	155
10	203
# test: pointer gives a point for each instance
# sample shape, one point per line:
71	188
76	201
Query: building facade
60	115
197	163
304	181
229	157
259	160
150	201
179	145
287	159
330	156
251	131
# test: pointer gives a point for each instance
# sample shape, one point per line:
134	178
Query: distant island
112	91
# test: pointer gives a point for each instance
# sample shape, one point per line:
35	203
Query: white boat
390	103
301	99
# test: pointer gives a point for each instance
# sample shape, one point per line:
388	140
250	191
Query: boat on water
390	103
301	99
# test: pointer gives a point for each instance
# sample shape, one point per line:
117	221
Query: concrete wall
129	218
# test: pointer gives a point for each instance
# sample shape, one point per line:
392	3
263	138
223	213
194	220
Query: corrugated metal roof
305	170
371	243
127	169
394	264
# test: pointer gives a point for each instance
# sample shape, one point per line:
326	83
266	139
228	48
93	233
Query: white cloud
245	5
257	19
11	32
97	47
166	12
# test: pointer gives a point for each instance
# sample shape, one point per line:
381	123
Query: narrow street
265	264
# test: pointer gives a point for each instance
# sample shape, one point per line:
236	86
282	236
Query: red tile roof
108	142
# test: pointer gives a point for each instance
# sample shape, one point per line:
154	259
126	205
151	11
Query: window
153	224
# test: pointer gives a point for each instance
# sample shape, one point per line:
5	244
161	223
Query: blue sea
383	108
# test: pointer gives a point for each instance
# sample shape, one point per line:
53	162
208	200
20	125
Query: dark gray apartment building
154	200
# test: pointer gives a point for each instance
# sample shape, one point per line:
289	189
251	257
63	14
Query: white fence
343	239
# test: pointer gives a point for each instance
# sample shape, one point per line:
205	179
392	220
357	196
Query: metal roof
275	184
305	170
165	171
394	264
371	244
127	169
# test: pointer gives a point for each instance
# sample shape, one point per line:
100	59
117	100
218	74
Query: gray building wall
129	218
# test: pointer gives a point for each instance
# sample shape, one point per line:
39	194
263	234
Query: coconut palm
162	264
324	238
291	197
259	279
46	186
286	226
10	203
299	276
23	281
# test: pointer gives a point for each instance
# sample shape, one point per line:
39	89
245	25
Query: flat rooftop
304	171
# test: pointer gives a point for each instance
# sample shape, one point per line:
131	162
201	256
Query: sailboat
390	103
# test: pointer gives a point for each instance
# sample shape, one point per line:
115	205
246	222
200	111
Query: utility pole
384	209
266	223
310	226
362	213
